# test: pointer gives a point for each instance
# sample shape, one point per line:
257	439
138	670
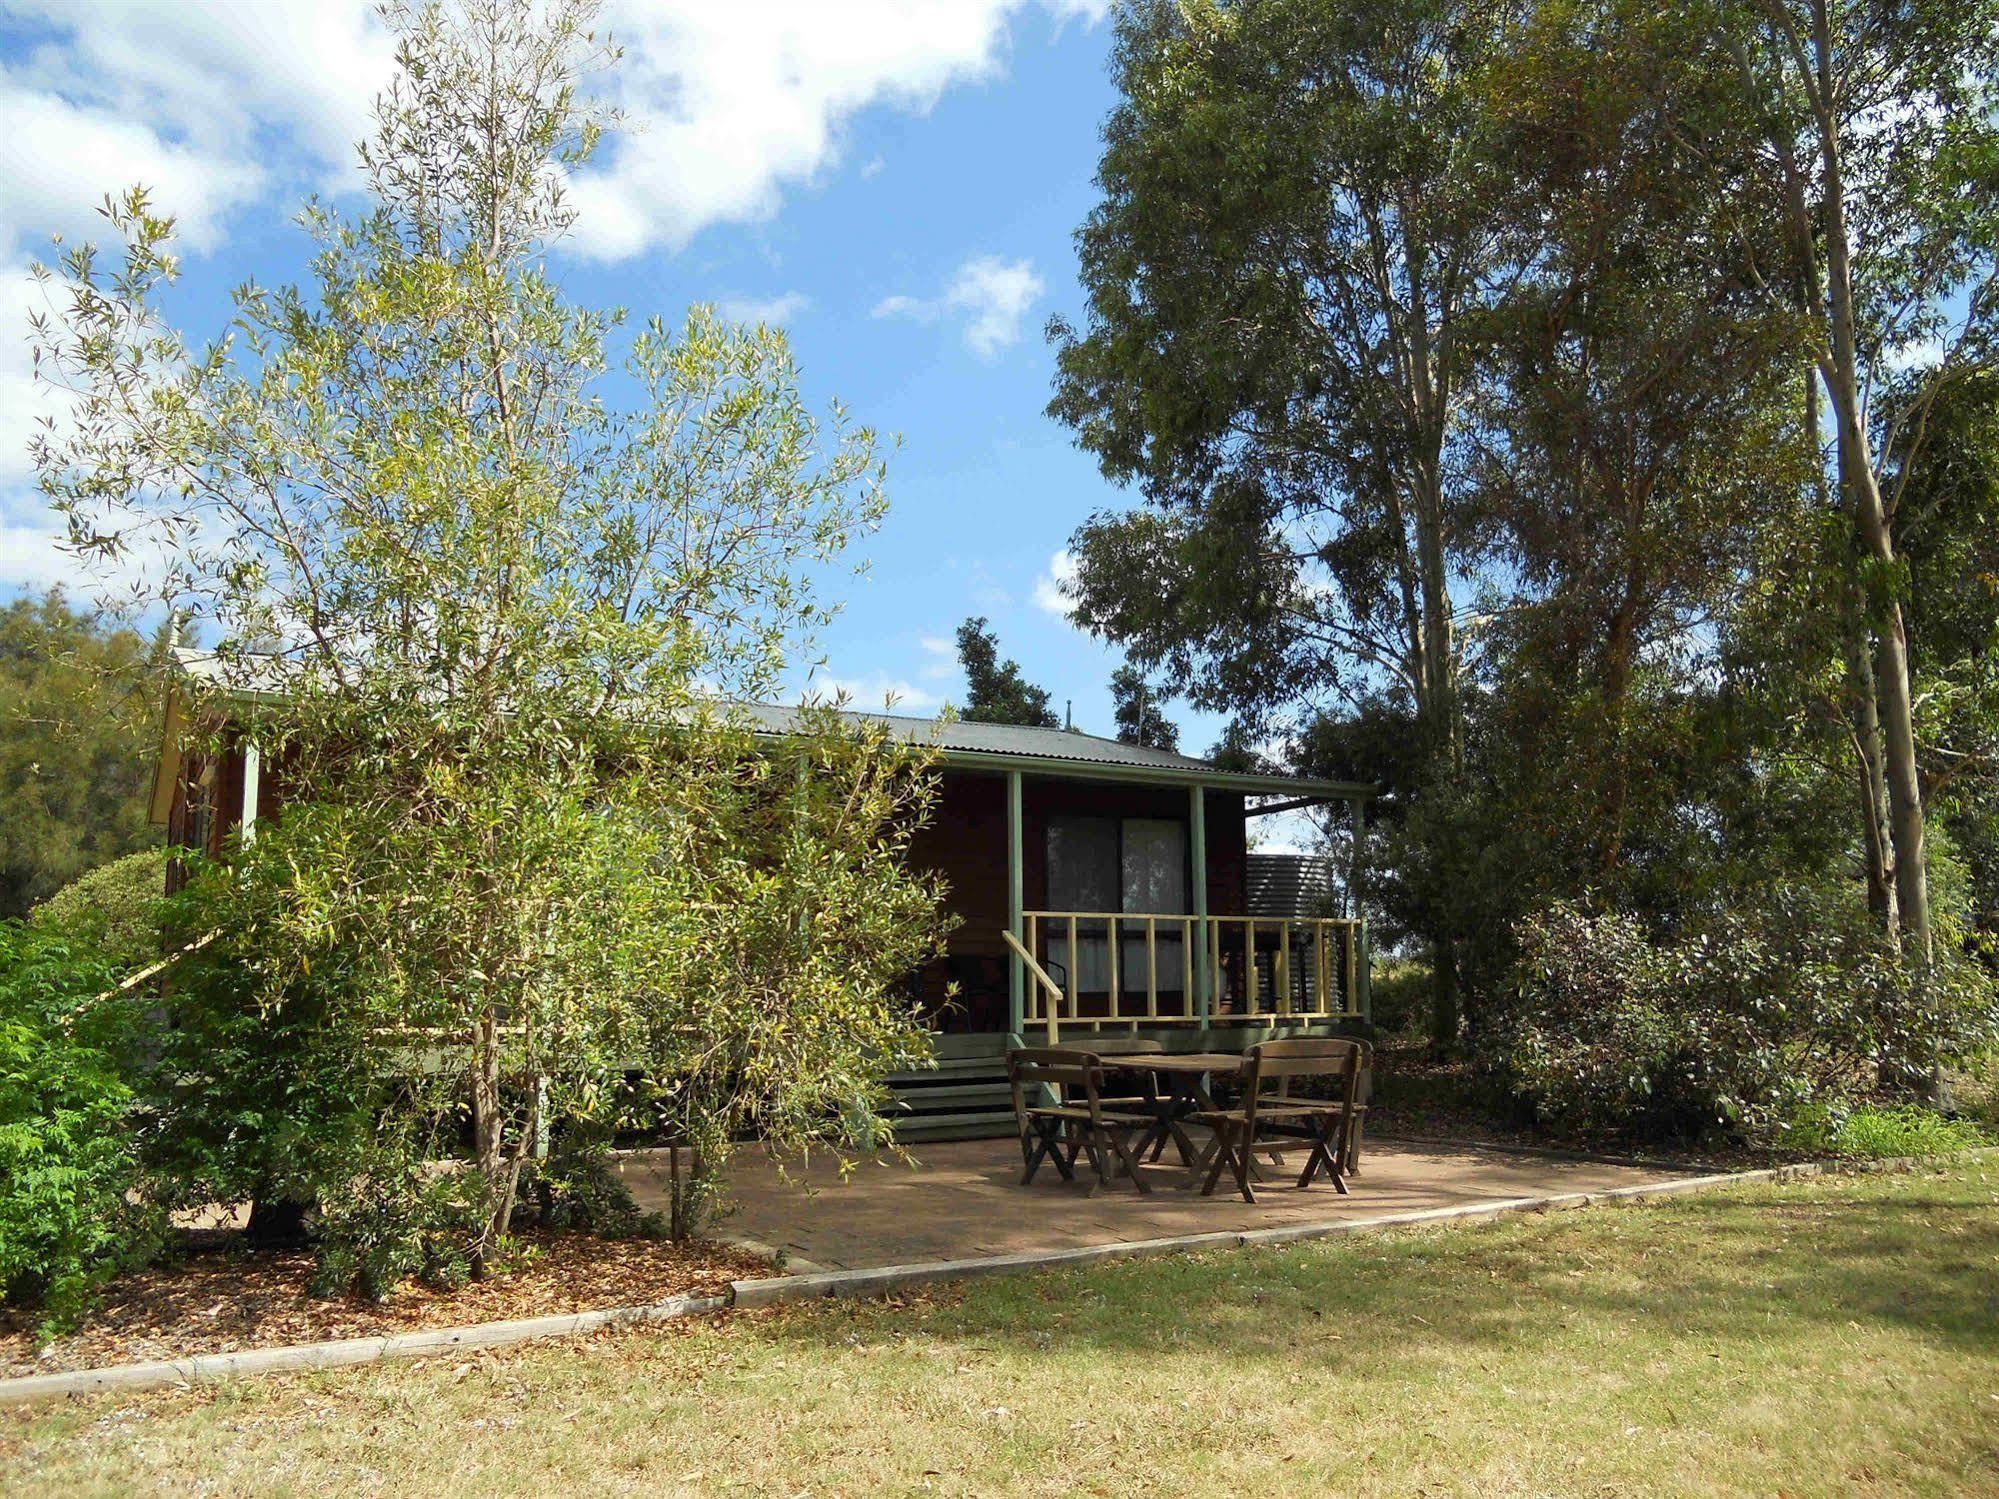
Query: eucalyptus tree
485	623
1639	430
1298	218
1881	155
1136	707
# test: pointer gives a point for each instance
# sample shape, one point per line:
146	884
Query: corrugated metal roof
1292	885
969	745
957	735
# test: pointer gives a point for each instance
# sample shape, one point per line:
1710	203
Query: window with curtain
1136	864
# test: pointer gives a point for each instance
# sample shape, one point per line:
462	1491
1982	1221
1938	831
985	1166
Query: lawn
1836	1336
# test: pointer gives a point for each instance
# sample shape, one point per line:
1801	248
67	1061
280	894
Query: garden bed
221	1297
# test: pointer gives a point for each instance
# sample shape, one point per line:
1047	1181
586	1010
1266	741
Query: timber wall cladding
965	842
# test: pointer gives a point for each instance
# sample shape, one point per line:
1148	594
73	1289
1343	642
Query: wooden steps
964	1097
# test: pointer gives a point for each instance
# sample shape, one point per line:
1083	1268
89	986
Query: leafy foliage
1137	706
68	1166
995	691
1734	1024
115	909
79	726
487	628
1908	1131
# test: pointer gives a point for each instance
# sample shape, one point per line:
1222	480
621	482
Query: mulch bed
221	1297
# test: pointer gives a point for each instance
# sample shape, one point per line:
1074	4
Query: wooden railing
1146	969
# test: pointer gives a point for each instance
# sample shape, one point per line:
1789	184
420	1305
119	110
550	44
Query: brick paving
961	1199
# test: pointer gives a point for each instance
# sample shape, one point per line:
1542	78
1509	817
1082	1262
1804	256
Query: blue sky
897	181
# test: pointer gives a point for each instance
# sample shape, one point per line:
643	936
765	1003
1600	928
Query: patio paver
961	1200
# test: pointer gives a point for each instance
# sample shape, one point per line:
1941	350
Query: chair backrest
1058	1067
1340	1058
1126	1046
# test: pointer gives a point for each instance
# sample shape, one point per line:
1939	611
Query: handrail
1287	968
1052	998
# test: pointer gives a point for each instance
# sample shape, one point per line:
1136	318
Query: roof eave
1157	775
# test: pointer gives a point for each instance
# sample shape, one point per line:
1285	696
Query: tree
1880	144
79	724
487	624
1135	704
995	691
1299	218
1640	430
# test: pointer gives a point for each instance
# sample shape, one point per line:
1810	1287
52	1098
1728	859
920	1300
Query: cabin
1102	889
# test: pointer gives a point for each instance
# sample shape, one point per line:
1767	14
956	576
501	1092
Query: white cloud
217	105
1050	589
777	311
942	652
728	104
872	693
992	295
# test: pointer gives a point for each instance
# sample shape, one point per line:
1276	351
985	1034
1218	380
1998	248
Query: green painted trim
1016	902
1150	775
1197	835
1364	974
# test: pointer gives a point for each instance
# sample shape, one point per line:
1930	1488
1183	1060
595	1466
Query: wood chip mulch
221	1297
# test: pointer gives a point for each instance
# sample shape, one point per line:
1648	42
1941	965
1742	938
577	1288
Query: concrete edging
301	1357
878	1281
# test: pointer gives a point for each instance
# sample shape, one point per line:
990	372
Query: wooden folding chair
1077	1122
1147	1100
1271	1118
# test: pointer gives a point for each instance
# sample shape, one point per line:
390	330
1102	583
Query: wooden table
1184	1073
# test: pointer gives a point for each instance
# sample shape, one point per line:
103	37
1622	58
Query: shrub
253	1091
114	909
1907	1130
69	1217
1400	995
1736	1024
398	1218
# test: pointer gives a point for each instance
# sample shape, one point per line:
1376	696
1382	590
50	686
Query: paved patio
962	1199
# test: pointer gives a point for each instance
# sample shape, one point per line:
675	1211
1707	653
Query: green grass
1878	1134
1826	1337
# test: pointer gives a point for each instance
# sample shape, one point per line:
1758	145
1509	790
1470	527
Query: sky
897	182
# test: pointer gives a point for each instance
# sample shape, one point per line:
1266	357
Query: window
1136	864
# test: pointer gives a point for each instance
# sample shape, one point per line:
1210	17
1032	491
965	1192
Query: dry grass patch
1830	1337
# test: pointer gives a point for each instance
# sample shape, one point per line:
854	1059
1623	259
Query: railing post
1365	989
1152	967
1016	976
253	779
1110	946
1197	820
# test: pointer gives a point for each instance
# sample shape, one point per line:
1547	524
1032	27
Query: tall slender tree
1881	153
1299	219
489	624
1137	707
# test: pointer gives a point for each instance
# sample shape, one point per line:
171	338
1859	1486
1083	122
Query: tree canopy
487	623
995	691
79	729
1531	408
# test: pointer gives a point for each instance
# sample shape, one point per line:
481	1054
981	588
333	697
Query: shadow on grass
1919	1257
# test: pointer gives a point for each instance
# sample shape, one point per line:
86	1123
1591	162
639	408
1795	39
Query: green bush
397	1218
69	1173
252	1092
1400	996
115	908
1873	1134
1736	1025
